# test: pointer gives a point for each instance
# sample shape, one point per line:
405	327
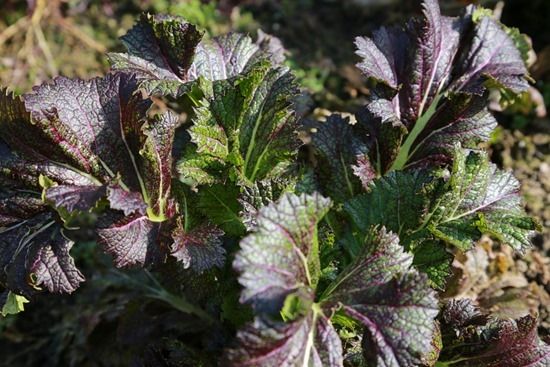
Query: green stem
405	151
160	293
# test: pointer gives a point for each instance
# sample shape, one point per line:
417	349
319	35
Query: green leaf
398	201
244	124
432	258
219	203
479	198
14	304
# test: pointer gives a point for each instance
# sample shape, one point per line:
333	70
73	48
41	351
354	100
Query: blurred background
117	316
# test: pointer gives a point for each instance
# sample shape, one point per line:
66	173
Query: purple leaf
33	252
364	170
492	55
339	150
93	139
434	76
309	341
199	249
156	166
474	339
436	40
392	301
54	268
128	202
161	49
72	197
279	268
271	260
132	240
386	132
167	53
462	118
95	122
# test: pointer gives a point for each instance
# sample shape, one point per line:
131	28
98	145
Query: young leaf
220	204
12	303
200	248
167	54
339	149
477	340
437	91
245	123
432	258
398	324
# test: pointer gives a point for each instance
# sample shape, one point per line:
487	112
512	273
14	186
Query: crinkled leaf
200	248
161	49
93	140
476	340
34	253
339	150
227	56
167	54
392	301
89	120
126	201
432	258
460	313
309	341
131	240
397	201
277	265
364	170
480	198
102	126
262	193
220	204
426	74
54	268
245	123
274	261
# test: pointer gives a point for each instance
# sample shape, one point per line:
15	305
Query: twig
77	33
12	30
43	45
